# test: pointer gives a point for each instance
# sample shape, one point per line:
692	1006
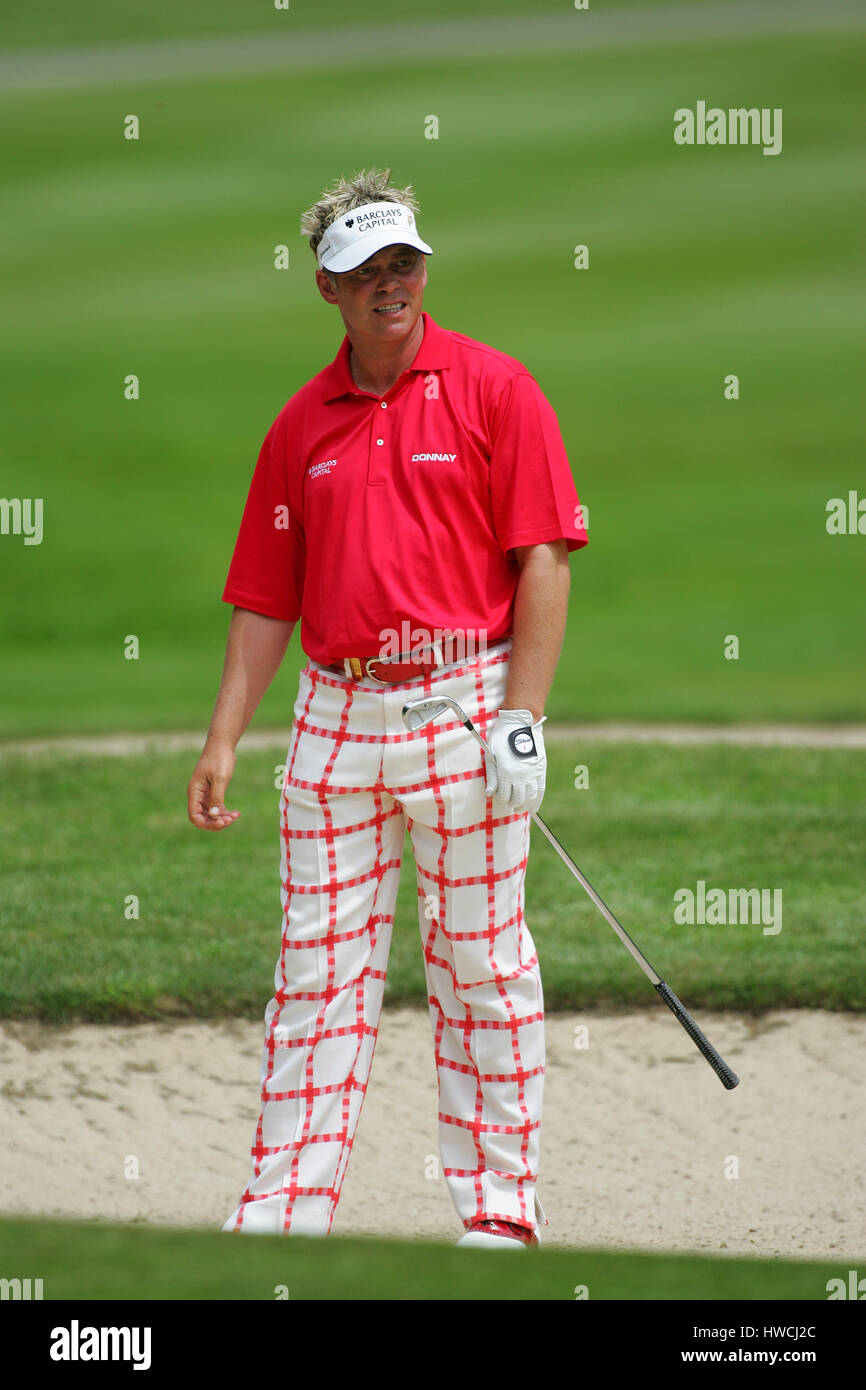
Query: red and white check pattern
355	780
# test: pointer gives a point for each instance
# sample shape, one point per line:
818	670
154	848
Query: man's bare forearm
255	648
540	611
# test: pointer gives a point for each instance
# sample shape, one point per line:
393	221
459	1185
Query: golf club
417	714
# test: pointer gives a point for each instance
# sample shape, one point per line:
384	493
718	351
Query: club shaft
584	882
599	902
726	1075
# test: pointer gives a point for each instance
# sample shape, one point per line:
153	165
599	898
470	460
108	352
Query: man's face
367	295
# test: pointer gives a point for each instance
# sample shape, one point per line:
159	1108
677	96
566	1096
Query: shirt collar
433	354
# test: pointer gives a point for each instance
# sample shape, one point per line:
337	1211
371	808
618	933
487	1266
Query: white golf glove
517	765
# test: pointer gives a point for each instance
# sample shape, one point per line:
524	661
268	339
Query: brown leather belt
404	666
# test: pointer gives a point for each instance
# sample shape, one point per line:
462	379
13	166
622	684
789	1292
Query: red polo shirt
366	513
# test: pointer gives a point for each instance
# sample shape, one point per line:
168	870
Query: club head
417	713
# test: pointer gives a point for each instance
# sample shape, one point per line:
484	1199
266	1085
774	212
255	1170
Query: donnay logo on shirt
433	458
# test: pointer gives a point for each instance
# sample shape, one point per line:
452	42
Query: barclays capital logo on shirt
317	469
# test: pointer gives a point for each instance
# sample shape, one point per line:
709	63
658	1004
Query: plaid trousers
355	780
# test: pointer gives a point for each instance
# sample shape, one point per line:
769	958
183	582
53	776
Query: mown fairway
80	1262
155	257
80	834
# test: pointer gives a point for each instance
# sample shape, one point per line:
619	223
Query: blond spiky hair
367	186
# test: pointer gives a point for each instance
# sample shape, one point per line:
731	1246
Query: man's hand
517	767
207	788
255	647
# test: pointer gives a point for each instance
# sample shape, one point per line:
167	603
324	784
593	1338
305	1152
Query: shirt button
384	405
380	441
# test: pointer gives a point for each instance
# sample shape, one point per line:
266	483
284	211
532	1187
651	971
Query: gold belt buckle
384	661
401	657
369	674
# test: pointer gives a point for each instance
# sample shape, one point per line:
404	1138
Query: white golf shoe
498	1235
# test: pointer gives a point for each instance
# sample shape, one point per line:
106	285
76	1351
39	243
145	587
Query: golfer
413	508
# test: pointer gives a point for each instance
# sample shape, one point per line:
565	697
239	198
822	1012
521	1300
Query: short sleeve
266	573
533	494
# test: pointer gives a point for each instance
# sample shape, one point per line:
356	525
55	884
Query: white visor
359	234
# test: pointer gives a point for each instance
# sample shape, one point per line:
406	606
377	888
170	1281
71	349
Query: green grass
80	834
83	1261
707	516
104	21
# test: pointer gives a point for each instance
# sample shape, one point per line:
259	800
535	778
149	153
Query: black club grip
728	1078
